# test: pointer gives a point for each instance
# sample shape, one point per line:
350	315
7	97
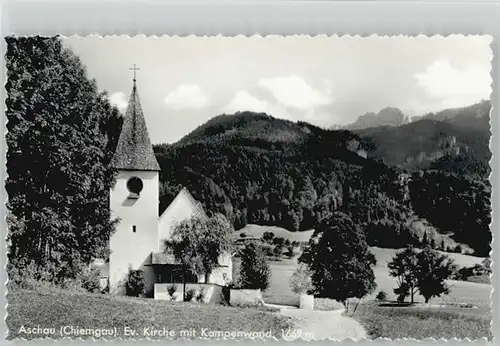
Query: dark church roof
134	150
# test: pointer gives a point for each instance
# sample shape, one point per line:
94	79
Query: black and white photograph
264	188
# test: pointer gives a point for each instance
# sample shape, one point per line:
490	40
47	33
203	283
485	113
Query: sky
326	81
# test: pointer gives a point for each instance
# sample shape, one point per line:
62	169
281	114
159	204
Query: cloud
119	100
294	92
244	101
455	87
186	96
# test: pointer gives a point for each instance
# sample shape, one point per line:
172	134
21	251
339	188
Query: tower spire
134	150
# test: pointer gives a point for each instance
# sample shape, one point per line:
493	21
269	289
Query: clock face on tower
135	185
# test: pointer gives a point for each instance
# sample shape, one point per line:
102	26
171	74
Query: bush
171	289
22	278
190	294
268	236
381	296
72	285
33	276
201	294
224	295
244	305
254	269
300	281
268	249
30	276
135	283
90	280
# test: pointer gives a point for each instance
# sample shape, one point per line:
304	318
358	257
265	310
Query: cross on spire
134	69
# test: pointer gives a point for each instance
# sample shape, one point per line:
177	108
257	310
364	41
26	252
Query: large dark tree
61	136
339	260
433	269
403	266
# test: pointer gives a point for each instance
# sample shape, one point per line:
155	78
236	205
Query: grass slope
416	323
57	308
258	231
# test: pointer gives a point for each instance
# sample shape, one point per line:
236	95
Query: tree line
61	136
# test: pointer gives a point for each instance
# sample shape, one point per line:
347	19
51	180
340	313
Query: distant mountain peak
388	116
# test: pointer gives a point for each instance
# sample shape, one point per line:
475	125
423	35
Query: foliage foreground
421	323
57	309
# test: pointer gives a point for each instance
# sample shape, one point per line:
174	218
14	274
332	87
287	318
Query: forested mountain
454	141
258	169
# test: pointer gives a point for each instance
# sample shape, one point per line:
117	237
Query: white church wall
221	275
183	207
131	249
180	209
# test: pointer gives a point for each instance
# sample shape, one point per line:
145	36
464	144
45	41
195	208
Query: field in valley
258	231
461	292
411	322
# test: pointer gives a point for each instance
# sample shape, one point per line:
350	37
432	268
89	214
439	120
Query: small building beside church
138	242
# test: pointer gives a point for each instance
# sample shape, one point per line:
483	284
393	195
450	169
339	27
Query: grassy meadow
257	231
476	293
55	308
422	323
461	291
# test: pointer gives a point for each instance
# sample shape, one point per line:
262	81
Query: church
138	242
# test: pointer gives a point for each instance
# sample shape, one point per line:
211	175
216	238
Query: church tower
133	199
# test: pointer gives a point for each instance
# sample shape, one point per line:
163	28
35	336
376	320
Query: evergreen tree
254	270
61	137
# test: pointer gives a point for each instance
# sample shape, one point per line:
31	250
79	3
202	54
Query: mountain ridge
446	141
257	169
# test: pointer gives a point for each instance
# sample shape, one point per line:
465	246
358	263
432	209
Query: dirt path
320	325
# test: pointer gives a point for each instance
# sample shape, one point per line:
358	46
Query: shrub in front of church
135	283
171	289
78	278
90	280
28	276
190	294
254	269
